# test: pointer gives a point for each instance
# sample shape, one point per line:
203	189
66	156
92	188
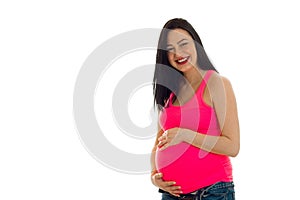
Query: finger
169	183
164	146
176	189
161	143
175	193
157	175
165	133
163	137
170	187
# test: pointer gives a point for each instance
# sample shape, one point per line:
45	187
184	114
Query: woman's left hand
170	137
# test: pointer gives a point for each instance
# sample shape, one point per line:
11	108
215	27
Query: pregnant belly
187	165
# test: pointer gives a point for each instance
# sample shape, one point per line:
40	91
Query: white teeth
182	60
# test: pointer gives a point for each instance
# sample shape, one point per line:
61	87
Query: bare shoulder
217	79
218	83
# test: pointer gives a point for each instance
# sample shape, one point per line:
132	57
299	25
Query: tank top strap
169	99
204	81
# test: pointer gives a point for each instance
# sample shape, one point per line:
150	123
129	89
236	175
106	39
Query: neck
194	75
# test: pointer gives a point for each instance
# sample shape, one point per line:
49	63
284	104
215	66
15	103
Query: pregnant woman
198	120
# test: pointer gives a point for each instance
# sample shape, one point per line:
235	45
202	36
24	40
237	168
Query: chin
184	68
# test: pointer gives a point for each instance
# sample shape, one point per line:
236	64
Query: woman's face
182	53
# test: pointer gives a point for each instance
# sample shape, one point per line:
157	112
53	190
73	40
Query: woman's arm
224	103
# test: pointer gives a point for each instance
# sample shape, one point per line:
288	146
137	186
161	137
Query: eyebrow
177	42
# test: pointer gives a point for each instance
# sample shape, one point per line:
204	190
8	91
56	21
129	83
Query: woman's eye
170	49
183	44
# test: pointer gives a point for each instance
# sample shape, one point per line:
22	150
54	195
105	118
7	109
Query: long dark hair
166	78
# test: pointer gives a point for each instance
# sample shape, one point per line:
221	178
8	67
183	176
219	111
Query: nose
178	53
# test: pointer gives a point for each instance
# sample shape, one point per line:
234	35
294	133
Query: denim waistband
199	194
215	186
219	185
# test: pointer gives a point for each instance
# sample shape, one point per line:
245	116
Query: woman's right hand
168	186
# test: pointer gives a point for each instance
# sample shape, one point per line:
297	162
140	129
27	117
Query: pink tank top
190	167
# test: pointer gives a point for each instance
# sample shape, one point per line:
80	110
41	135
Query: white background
44	44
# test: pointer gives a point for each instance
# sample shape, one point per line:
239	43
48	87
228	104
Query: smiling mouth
182	61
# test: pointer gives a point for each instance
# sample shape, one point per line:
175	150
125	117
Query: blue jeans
217	191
